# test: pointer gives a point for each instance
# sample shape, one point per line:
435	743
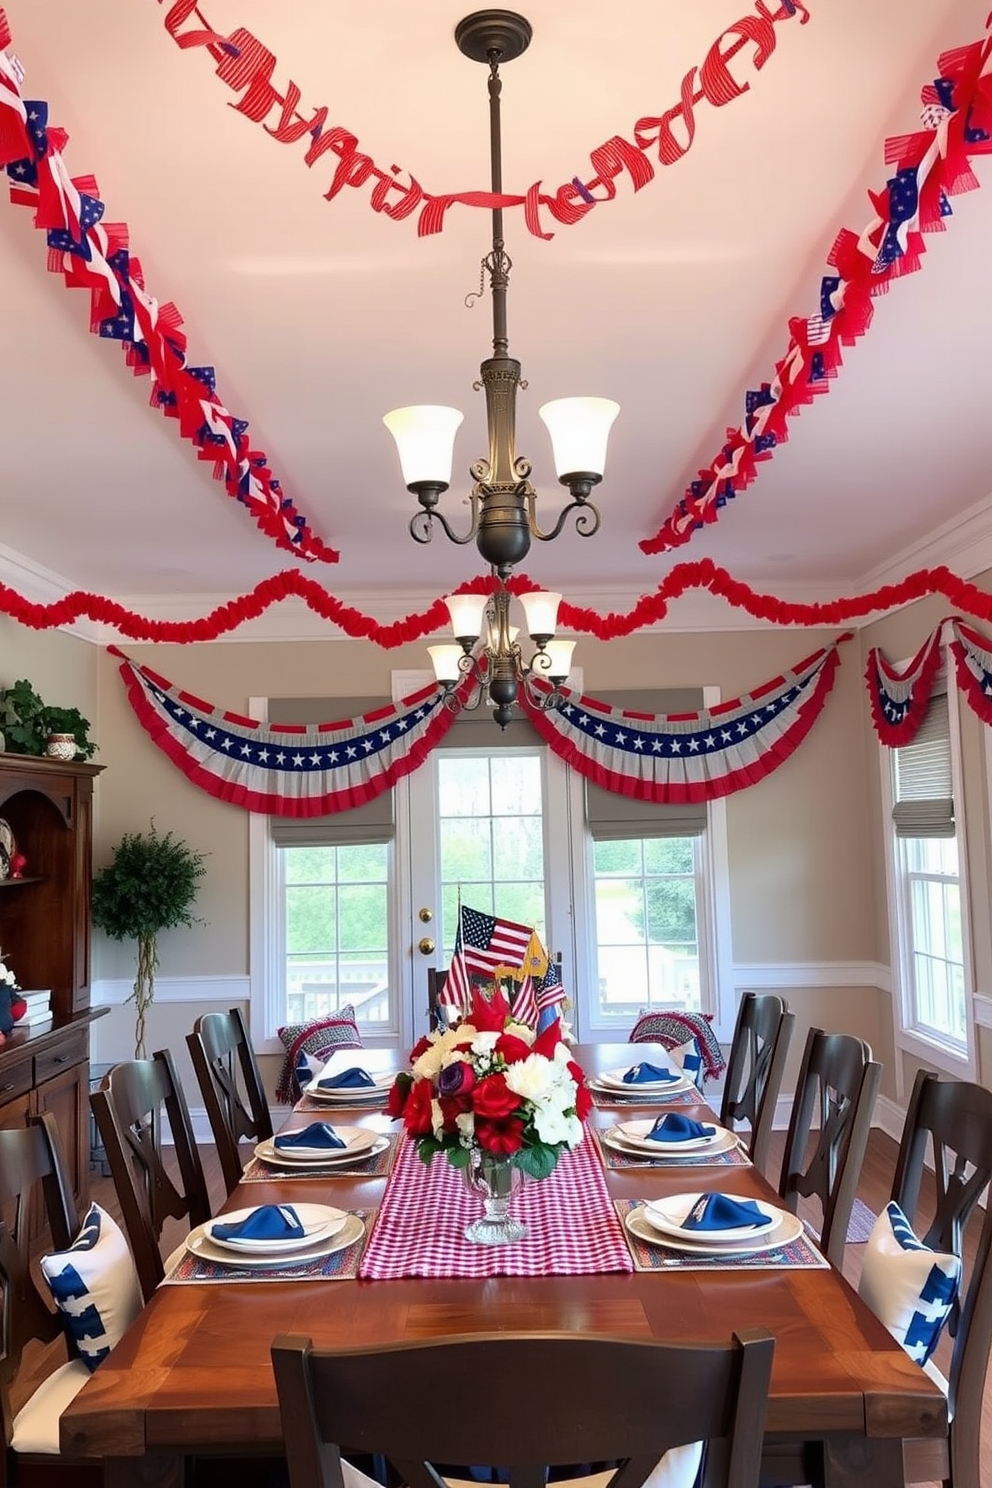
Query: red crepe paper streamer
246	65
649	609
814	355
115	280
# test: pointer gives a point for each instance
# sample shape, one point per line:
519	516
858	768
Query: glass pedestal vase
496	1178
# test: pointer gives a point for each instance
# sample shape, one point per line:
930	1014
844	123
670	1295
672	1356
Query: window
929	899
337	931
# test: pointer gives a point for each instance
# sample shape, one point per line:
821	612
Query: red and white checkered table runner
573	1227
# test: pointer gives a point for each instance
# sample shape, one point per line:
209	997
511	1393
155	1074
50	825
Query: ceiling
319	316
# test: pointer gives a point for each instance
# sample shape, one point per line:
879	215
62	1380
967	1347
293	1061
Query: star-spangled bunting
693	756
899	700
286	769
972	654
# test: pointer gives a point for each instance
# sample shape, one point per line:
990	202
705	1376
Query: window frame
910	1037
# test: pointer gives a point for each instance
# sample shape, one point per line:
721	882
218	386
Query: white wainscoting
225	989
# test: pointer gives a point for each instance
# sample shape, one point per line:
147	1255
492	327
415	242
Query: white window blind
924	800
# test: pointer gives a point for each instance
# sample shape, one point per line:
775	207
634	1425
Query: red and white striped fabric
573	1229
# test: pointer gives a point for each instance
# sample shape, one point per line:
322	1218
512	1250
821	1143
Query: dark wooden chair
949	1128
131	1107
599	1400
435	986
755	1068
831	1114
231	1086
32	1167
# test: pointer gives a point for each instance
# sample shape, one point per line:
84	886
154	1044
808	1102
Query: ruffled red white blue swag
290	770
312	770
899	700
691	756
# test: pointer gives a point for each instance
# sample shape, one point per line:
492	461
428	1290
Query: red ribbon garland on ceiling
649	609
246	65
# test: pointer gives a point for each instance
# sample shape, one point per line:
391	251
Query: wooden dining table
193	1374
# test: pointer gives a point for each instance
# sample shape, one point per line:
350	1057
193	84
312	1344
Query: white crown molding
43	586
963	544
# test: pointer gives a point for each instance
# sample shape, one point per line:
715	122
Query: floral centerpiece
496	1099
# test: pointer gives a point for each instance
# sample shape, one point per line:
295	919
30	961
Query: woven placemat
680	1098
340	1265
379	1165
327	1108
801	1254
733	1158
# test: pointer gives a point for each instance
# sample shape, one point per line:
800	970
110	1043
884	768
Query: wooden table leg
158	1470
857	1462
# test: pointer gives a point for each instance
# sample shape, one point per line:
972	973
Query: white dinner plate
612	1084
356	1139
200	1244
319	1222
668	1215
721	1141
781	1234
297	1157
383	1084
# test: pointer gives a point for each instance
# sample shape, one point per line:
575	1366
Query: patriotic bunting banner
931	165
92	254
691	756
245	65
286	770
899	700
972	654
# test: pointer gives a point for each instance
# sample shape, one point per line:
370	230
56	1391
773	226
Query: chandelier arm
422	524
586	522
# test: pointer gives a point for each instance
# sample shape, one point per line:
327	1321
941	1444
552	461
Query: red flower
417	1111
547	1042
420	1047
488	1015
512	1048
452	1106
503	1136
456	1079
583	1100
398	1092
493	1098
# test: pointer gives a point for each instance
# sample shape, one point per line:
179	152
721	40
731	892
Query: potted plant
149	885
28	723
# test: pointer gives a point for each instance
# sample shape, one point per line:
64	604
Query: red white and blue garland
245	65
94	255
687	757
931	165
286	769
313	770
899	700
972	654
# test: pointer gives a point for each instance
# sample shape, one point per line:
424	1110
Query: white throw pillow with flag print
95	1286
908	1286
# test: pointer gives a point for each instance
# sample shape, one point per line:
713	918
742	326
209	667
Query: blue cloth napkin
674	1127
717	1211
349	1079
317	1134
268	1222
648	1074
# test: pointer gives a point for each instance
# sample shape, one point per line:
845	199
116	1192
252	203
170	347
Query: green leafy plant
149	885
27	722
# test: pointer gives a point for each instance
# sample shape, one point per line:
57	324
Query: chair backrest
30	1161
949	1125
435	986
838	1083
755	1068
597	1399
131	1107
231	1086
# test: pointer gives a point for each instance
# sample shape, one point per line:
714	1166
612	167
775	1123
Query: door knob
425	946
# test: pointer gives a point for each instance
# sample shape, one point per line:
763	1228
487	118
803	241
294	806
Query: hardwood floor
874	1190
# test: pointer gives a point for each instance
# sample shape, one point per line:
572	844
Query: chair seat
677	1469
36	1425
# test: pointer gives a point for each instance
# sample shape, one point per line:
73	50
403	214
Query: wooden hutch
45	938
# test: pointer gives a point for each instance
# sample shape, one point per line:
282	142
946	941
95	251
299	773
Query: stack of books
39	1014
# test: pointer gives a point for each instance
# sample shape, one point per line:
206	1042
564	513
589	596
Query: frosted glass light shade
541	609
579	429
560	653
466	611
444	660
425	439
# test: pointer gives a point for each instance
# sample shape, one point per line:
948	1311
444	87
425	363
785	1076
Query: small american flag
488	942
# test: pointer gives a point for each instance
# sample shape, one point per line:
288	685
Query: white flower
532	1078
429	1064
465	1123
553	1126
484	1043
521	1031
437	1118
